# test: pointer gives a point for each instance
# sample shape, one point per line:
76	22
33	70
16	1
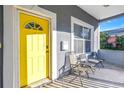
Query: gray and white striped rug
87	83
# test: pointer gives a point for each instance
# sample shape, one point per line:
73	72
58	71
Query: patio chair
84	61
76	68
95	58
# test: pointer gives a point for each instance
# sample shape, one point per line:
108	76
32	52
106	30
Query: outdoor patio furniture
76	67
84	61
95	58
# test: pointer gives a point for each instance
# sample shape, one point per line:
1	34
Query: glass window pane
31	24
37	25
78	46
27	26
86	33
40	28
87	46
77	31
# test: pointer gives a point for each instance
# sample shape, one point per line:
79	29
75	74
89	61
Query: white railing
113	56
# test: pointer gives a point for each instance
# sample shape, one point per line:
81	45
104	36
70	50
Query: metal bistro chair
76	68
84	61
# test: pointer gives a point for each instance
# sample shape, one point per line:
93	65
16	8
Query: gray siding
1	49
64	13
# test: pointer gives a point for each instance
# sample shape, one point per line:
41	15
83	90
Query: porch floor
110	73
109	76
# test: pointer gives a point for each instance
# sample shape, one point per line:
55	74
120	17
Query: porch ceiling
101	13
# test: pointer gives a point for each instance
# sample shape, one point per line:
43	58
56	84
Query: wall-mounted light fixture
64	45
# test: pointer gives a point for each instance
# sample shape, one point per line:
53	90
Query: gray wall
64	13
113	56
1	49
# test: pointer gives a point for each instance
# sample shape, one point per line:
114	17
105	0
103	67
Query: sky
112	24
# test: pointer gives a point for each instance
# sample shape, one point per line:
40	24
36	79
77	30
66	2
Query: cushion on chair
93	60
83	60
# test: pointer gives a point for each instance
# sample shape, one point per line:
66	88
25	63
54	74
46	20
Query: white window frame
83	24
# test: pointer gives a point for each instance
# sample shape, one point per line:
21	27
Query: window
34	26
82	39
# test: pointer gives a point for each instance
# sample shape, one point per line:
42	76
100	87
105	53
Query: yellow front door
34	49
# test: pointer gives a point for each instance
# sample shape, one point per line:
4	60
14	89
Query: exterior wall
113	56
64	14
1	49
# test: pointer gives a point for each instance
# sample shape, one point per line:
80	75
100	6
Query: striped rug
87	83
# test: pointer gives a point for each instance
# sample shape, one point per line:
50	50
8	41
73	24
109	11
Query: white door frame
11	51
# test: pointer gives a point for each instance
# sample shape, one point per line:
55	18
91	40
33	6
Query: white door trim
11	50
83	24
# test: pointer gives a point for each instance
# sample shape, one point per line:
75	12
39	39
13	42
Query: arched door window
34	26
